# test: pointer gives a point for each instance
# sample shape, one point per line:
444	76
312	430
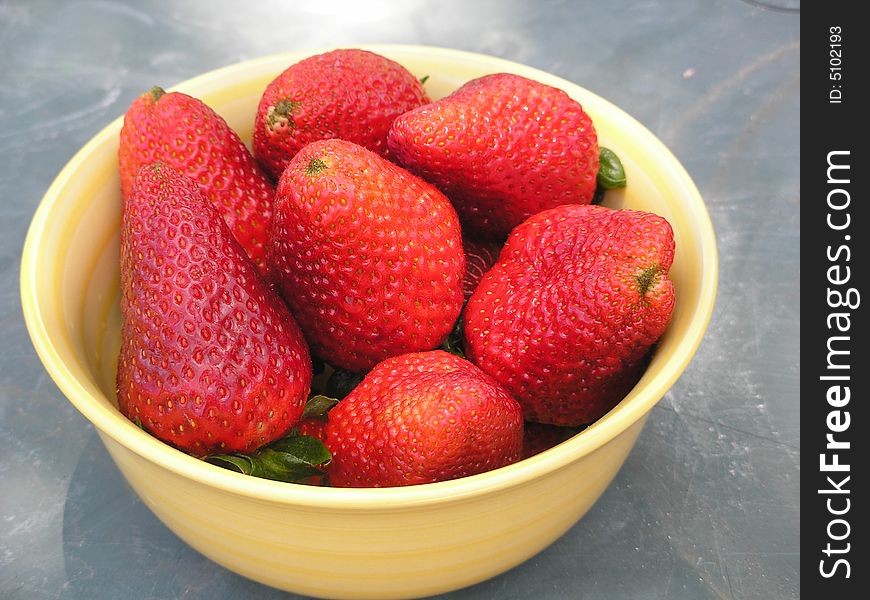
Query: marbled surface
707	504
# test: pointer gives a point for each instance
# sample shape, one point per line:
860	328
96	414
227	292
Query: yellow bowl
345	543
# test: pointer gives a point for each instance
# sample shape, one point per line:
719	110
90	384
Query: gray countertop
706	505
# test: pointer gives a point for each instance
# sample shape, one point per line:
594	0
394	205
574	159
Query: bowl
348	543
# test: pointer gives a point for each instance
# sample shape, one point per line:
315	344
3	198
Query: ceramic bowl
349	543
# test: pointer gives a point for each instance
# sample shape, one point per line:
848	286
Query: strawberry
480	255
350	94
185	134
420	418
502	148
211	358
313	427
566	316
368	257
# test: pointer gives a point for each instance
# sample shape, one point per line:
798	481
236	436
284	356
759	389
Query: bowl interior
70	281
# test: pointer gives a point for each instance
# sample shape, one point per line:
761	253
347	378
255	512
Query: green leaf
341	383
240	463
611	174
453	343
139	424
424	79
281	466
291	459
303	448
318	406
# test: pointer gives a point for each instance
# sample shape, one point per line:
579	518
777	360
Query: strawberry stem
282	111
315	166
156	92
646	279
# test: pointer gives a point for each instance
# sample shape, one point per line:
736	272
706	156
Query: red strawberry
502	147
564	319
350	94
211	358
421	418
368	256
479	258
314	427
187	135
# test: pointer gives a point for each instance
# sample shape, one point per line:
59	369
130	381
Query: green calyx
156	92
611	174
293	459
318	406
646	279
315	167
282	112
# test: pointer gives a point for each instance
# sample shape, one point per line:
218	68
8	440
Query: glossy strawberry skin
565	318
502	148
211	359
350	94
421	418
314	427
185	134
368	257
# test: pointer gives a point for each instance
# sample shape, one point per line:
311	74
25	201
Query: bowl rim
112	424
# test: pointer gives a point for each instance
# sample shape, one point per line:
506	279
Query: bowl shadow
114	547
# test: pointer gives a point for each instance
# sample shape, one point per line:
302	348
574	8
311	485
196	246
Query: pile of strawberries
426	282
